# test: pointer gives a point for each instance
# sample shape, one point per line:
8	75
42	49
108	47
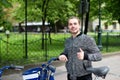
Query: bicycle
47	71
9	67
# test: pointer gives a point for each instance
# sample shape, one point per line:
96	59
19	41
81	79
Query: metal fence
13	51
13	48
110	41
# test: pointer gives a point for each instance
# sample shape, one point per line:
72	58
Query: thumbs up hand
80	54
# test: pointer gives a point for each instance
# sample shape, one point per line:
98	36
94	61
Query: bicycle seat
99	71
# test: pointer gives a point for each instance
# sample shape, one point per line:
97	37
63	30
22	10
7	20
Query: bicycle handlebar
52	59
16	67
12	67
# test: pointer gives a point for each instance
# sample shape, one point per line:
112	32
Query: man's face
74	26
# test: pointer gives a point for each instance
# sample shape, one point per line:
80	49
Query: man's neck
74	35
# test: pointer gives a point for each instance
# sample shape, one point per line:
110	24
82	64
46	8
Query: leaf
6	4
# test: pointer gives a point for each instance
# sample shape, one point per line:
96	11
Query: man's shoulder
86	37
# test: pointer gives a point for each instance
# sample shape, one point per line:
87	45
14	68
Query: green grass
14	51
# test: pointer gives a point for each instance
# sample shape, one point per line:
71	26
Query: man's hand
63	58
80	54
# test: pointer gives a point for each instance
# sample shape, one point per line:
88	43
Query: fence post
0	50
46	49
107	41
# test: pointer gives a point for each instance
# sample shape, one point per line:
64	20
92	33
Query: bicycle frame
45	72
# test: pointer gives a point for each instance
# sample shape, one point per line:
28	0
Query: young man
79	51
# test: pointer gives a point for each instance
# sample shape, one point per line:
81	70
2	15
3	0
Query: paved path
111	61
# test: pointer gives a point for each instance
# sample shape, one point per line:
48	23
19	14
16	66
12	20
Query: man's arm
94	53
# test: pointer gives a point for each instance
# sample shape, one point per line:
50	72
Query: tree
113	8
60	10
110	10
4	5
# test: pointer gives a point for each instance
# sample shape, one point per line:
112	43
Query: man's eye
70	24
75	23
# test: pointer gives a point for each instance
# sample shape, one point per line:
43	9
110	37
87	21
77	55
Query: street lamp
26	50
99	28
7	32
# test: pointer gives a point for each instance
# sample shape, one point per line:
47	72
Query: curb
111	54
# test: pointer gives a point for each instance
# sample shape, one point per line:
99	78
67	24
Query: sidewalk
112	61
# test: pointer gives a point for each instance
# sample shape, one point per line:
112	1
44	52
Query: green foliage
110	9
7	25
57	10
60	10
5	3
1	16
3	22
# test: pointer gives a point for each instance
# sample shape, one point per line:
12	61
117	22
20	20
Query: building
114	27
31	26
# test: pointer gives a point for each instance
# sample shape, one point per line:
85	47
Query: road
111	61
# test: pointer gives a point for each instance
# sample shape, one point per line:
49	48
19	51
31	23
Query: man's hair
74	17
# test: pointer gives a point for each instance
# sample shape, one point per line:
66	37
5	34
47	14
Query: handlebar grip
52	59
19	67
16	67
56	58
